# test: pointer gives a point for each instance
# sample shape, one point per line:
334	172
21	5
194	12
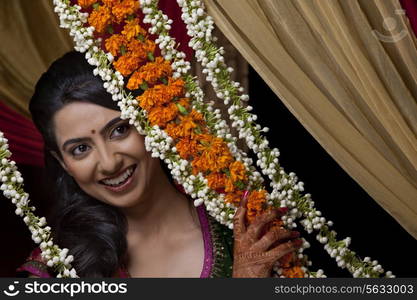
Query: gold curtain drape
348	71
31	40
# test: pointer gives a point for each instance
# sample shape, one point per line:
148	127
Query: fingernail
297	242
245	194
283	209
294	234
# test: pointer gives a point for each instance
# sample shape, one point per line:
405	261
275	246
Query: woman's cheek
82	171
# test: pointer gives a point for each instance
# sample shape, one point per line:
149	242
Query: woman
118	210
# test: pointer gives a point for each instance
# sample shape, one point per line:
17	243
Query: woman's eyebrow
110	124
83	139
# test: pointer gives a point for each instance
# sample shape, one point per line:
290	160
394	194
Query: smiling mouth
120	180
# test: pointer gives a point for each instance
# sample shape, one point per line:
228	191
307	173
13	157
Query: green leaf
141	37
110	29
240	185
144	86
197	130
204	143
227	172
164	80
150	56
123	49
96	5
182	109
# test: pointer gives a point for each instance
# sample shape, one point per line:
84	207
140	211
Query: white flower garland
161	25
200	27
157	141
12	188
196	186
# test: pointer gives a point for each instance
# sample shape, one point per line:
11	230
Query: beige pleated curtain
347	69
31	40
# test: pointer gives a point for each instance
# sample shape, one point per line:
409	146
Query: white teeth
118	180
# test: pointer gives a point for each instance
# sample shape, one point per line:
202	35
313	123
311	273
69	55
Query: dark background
355	214
373	231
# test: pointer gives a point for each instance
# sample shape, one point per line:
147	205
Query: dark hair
93	231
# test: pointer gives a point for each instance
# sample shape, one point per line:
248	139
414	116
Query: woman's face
104	154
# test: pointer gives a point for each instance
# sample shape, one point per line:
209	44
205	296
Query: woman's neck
164	212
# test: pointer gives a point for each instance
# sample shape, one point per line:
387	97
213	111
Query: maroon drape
25	141
410	6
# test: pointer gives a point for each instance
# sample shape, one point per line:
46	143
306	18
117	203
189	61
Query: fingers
239	225
285	248
273	236
244	200
261	220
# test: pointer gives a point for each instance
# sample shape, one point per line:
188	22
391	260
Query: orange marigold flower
256	201
234	197
150	73
293	272
195	115
100	18
86	3
160	94
230	187
161	115
184	102
125	8
141	49
154	96
185	129
114	43
186	148
214	154
216	180
237	171
132	29
110	3
176	87
127	63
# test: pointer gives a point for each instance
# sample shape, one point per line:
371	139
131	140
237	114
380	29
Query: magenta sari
35	265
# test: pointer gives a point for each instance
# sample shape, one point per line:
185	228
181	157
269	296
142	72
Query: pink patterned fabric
208	245
36	265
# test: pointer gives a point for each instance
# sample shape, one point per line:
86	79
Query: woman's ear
61	162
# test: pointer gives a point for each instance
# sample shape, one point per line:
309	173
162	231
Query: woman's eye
79	150
120	130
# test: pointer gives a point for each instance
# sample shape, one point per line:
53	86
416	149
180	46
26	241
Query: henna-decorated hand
256	252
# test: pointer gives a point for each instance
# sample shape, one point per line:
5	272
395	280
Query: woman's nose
109	162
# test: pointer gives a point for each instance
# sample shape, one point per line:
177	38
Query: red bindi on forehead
93	131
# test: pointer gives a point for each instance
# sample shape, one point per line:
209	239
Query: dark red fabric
410	6
25	142
178	28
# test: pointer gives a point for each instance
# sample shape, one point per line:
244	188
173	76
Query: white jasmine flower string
12	188
72	18
200	27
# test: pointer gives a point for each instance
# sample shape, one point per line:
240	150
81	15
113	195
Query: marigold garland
189	121
162	96
100	18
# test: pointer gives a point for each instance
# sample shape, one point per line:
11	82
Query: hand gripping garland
181	129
